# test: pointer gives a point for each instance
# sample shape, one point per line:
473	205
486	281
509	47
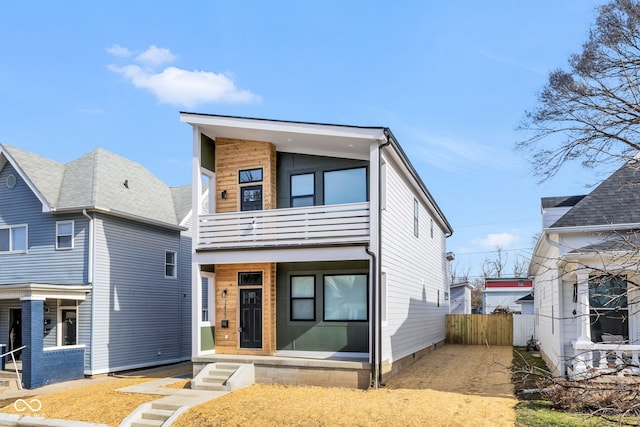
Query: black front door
251	318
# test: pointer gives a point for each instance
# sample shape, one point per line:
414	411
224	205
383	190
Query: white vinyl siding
415	270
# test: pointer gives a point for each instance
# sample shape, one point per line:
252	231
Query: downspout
90	271
377	324
374	365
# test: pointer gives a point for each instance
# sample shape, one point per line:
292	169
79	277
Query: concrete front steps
215	380
224	376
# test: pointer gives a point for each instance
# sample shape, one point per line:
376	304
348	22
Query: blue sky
450	79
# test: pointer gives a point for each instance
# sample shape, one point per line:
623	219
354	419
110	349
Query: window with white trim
64	235
416	223
170	264
13	238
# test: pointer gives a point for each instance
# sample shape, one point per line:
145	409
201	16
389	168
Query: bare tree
591	112
494	267
459	273
520	266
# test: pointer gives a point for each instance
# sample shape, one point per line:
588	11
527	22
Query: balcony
597	359
328	225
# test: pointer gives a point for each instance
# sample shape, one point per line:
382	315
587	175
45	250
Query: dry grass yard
453	386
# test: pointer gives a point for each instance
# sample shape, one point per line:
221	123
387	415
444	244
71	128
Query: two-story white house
585	266
319	255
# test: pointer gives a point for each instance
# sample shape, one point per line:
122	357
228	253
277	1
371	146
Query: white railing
593	359
307	226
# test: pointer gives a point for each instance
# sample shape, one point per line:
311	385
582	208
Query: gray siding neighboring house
96	250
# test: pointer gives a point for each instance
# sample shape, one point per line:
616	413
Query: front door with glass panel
250	318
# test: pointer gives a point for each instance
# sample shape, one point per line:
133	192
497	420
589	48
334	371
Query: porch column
583	309
33	365
583	355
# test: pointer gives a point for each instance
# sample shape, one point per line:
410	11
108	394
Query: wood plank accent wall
227	278
233	155
480	329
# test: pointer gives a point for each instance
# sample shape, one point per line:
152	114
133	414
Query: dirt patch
454	385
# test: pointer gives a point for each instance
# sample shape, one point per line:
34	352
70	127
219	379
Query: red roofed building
500	295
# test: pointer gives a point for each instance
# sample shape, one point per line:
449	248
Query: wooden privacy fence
476	329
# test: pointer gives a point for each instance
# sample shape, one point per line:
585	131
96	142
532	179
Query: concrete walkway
175	400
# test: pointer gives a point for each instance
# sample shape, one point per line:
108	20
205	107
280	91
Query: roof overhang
289	136
44	291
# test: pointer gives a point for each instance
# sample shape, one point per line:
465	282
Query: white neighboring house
501	294
460	294
317	243
585	266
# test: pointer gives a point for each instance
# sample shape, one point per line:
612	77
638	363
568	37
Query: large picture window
345	186
13	239
608	309
303	298
345	297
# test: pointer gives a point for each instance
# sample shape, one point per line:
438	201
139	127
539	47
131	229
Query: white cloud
177	86
493	240
155	56
117	50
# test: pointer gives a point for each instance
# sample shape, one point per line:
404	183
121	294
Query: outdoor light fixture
224	194
224	293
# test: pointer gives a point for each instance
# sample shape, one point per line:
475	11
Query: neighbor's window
68	315
205	299
170	259
416	224
250	175
13	239
345	297
608	309
302	190
345	186
303	298
64	235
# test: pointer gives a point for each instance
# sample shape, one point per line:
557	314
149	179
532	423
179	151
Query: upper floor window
302	190
64	235
170	264
345	186
13	238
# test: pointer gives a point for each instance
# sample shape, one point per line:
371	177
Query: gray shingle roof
615	201
103	180
560	201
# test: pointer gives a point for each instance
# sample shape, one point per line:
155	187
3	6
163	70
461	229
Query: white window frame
211	288
59	337
167	264
58	235
11	243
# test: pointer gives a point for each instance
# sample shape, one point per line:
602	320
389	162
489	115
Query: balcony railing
595	359
307	226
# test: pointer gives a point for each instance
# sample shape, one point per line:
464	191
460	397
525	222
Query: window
303	298
68	327
251	198
345	186
302	190
13	239
205	299
345	297
608	308
170	264
431	227
253	278
64	235
250	175
416	224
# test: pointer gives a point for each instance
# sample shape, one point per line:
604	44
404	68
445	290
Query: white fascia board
591	228
369	133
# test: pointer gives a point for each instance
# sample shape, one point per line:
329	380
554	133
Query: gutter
124	215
